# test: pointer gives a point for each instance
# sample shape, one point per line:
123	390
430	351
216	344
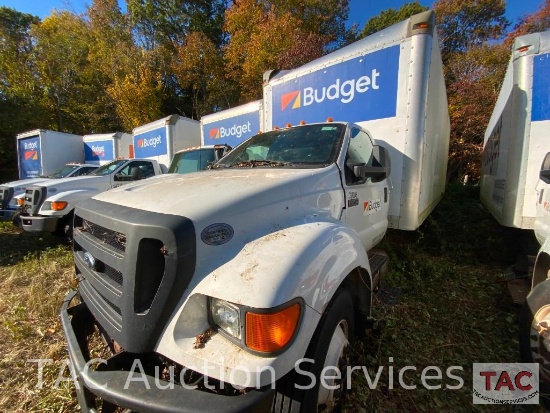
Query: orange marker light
59	205
421	26
20	201
302	122
523	49
329	119
271	332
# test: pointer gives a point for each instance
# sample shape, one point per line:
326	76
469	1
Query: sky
360	10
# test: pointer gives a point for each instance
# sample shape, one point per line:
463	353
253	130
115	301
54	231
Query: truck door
367	202
124	174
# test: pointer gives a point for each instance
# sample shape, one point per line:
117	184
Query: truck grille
34	196
133	268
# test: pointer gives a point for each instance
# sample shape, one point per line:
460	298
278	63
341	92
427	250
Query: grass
450	307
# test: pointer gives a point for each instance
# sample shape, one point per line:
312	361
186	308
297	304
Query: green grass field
444	303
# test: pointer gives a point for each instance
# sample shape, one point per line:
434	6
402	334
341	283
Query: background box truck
230	276
516	138
42	152
161	139
102	148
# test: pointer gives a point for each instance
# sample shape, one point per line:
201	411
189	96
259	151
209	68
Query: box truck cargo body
392	84
102	148
516	138
161	139
232	126
42	152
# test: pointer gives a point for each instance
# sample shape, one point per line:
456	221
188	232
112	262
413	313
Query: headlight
226	316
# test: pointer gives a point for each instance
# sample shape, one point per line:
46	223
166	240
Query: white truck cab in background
229	276
49	205
10	192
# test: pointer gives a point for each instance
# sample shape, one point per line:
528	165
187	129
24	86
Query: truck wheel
329	347
65	227
534	331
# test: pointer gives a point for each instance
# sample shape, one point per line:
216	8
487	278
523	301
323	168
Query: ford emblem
217	234
90	260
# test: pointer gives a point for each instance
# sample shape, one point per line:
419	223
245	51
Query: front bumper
112	384
39	223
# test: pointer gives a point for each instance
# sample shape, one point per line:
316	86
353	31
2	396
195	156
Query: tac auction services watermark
505	383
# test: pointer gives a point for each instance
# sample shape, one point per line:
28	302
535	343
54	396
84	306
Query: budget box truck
233	289
102	148
161	139
220	132
232	126
41	152
516	138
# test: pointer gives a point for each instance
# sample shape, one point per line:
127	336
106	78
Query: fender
72	197
309	260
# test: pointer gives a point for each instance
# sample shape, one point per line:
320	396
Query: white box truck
232	126
102	148
516	138
42	152
226	290
220	132
161	139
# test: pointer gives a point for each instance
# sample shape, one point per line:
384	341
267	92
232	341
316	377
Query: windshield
191	161
310	146
109	168
63	172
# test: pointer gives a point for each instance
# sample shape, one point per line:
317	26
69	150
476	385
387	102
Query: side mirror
545	169
381	164
135	173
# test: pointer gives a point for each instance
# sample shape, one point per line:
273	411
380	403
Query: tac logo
290	97
31	155
214	133
505	383
98	151
144	143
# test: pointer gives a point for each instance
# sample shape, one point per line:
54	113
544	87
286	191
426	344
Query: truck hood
89	182
229	194
24	183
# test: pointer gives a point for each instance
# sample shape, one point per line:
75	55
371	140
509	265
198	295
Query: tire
534	346
65	227
328	347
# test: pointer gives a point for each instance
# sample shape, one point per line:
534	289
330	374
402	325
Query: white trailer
102	148
161	139
42	152
516	138
232	126
392	84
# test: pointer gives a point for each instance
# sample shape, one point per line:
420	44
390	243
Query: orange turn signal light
422	25
59	205
268	333
20	201
523	49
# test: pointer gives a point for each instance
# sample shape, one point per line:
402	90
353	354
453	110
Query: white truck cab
48	206
11	192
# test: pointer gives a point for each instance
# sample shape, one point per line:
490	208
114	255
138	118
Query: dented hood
225	193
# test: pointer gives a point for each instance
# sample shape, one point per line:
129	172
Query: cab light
59	205
423	25
288	125
329	119
271	332
302	122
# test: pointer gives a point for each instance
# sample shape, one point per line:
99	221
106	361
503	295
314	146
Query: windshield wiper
253	163
217	166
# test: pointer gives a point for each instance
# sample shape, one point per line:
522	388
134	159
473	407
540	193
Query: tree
391	16
19	109
533	23
463	24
